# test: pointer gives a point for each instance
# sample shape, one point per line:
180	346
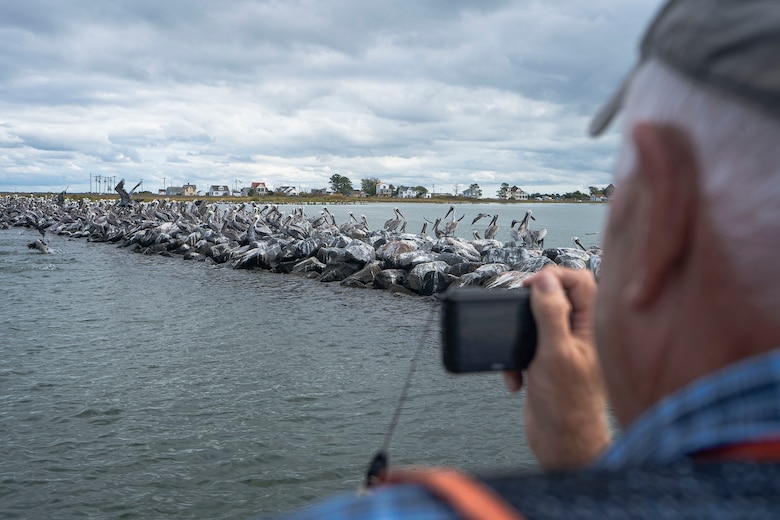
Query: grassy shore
324	200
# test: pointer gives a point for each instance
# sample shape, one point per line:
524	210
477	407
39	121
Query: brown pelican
476	234
393	223
478	217
451	225
520	234
424	230
40	245
492	229
577	241
438	232
125	198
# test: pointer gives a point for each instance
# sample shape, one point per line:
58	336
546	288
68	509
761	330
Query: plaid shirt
738	404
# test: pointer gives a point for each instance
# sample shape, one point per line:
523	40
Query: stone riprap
254	236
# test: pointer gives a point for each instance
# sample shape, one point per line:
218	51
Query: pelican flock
255	236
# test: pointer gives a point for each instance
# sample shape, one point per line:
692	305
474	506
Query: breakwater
255	236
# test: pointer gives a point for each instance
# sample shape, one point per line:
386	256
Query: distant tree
594	191
456	188
503	191
394	190
421	191
368	186
340	184
609	191
576	195
474	189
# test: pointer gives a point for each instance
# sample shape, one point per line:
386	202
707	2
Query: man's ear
668	171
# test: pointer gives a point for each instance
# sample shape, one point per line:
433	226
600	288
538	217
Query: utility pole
163	183
90	183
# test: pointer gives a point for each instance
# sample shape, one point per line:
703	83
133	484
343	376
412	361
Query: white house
515	193
219	190
290	191
383	190
407	192
472	193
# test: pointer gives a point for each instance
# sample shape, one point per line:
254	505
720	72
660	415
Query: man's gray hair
738	151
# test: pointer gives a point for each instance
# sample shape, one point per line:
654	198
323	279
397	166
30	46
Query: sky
437	93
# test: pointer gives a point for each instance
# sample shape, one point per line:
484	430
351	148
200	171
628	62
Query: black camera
486	330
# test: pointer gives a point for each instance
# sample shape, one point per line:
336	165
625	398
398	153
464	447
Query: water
137	386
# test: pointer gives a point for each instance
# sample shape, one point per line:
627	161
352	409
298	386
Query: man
683	337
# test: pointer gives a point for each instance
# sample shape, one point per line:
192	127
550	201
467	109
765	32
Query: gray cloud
437	92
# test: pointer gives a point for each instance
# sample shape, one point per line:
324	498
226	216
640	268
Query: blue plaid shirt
738	404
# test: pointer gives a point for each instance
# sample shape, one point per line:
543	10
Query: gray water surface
137	386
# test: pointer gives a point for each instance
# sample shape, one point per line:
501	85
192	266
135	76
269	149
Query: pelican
424	230
521	233
438	232
492	229
476	234
452	224
61	196
40	245
393	223
478	217
126	199
577	241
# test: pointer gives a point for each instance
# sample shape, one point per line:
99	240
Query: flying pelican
126	199
478	217
61	196
40	245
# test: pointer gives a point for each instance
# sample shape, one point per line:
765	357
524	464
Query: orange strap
767	450
468	497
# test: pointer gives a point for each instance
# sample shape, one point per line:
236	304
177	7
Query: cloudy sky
439	93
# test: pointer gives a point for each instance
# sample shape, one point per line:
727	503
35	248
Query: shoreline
299	200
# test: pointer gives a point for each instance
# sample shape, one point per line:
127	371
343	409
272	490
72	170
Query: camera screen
488	335
487	330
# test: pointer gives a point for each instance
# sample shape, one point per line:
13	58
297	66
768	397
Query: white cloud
416	93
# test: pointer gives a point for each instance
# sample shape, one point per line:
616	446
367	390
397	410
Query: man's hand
566	403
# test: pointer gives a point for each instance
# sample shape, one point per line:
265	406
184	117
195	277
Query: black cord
379	462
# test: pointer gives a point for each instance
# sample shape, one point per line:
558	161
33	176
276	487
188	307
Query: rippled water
137	386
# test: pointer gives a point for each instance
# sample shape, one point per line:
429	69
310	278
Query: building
407	192
290	191
384	190
260	188
516	193
189	190
174	191
473	192
319	192
219	190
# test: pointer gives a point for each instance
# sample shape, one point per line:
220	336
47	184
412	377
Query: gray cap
732	46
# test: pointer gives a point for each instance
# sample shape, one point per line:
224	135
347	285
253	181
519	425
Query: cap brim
606	114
